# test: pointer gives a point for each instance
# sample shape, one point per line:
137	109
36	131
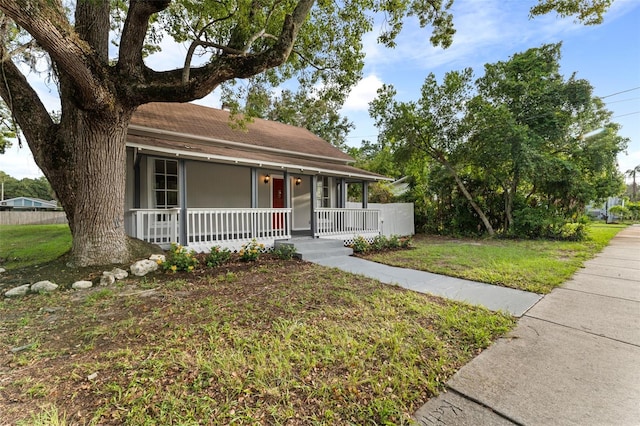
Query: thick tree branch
134	33
92	25
72	55
169	86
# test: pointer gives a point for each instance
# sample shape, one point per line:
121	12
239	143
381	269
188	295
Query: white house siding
217	185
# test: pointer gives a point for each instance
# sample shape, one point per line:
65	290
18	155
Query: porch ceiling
234	155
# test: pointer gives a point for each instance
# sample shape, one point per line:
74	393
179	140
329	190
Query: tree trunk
95	203
469	198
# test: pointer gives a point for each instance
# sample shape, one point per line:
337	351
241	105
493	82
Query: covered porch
202	203
231	228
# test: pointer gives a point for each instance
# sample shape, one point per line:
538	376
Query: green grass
27	245
532	265
295	343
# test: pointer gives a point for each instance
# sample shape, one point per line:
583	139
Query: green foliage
540	223
218	256
380	243
634	210
487	160
285	251
179	258
250	252
588	12
620	212
7	129
307	108
360	245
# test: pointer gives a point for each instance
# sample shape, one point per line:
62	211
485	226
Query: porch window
166	183
322	192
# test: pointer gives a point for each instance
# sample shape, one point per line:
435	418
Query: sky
607	55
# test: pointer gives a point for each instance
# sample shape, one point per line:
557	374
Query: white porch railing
347	222
156	226
208	227
218	226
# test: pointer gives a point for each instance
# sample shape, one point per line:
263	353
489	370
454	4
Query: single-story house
195	179
28	203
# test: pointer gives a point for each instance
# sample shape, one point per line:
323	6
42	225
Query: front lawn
29	245
532	265
271	342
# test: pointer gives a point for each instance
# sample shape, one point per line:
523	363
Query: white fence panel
397	218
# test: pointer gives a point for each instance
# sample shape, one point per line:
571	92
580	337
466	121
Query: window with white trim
323	197
165	175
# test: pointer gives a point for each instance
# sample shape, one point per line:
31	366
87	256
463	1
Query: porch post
342	203
254	188
287	190
182	190
365	194
136	179
287	202
314	204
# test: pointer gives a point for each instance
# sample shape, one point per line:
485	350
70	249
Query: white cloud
363	93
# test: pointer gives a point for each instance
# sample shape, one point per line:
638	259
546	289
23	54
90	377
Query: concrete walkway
573	359
516	302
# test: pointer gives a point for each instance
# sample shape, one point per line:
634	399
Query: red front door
277	202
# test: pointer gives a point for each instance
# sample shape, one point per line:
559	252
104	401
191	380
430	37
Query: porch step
311	249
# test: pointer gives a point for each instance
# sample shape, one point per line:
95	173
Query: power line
624	115
617	93
622	100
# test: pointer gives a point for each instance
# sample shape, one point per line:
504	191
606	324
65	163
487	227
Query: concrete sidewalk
493	297
573	359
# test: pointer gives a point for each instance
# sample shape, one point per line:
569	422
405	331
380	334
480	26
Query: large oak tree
82	151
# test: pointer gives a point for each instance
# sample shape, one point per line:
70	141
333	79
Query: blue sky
607	55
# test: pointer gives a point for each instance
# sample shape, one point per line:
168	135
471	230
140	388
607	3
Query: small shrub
571	231
218	256
250	252
360	245
379	243
393	242
285	251
178	258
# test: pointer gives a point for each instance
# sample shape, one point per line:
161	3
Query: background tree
311	109
35	188
435	125
83	153
7	128
528	121
511	144
632	173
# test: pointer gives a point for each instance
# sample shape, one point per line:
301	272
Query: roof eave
250	162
